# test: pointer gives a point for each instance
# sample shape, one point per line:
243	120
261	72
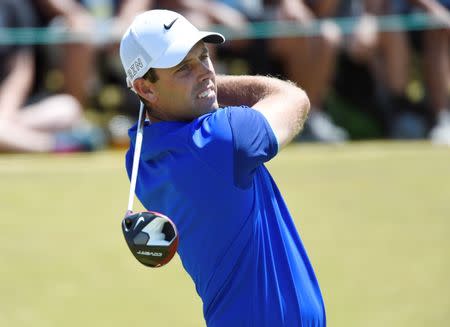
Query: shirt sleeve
234	142
254	142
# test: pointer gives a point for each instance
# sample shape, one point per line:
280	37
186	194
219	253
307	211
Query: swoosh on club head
138	222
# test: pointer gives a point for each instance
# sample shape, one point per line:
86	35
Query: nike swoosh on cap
167	27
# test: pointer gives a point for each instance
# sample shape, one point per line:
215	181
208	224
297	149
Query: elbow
303	104
306	104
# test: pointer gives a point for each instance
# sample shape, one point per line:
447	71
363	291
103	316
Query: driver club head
151	237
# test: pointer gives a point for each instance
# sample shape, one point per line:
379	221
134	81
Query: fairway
374	218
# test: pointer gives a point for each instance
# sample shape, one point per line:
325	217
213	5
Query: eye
204	56
184	68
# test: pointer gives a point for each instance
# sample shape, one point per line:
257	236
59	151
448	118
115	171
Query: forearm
436	9
130	8
243	90
196	5
127	11
431	6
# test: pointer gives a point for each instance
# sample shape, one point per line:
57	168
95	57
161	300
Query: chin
208	107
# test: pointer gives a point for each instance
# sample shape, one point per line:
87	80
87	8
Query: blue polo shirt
238	241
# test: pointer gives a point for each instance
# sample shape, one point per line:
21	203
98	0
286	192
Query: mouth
208	93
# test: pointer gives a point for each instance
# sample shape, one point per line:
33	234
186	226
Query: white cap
159	39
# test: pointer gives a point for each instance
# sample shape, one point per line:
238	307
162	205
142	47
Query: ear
145	89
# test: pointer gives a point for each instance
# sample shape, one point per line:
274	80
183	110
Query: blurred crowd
365	83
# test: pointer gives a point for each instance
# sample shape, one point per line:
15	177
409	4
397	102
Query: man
202	165
432	46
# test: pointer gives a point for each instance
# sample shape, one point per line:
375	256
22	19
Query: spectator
436	64
373	66
308	61
311	61
433	45
51	124
95	21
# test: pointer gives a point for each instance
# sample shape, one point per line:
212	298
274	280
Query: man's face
187	90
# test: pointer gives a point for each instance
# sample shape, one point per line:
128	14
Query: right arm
284	105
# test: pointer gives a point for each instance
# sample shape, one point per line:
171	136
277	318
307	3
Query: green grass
374	218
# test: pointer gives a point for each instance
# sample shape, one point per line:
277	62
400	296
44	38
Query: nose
205	71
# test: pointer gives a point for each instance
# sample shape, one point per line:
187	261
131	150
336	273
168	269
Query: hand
364	37
227	16
295	11
442	15
80	21
437	10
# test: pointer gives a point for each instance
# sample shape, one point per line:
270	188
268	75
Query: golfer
206	140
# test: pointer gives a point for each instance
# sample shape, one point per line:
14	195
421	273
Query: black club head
151	237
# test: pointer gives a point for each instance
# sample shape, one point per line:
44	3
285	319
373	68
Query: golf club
152	237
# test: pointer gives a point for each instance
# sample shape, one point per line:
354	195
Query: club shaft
137	154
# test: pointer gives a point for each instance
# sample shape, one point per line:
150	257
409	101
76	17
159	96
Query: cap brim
177	51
